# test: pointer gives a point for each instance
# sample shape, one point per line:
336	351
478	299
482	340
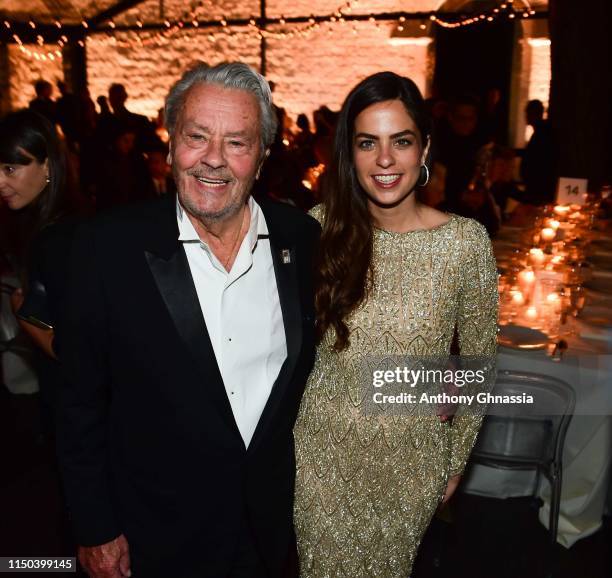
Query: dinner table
555	283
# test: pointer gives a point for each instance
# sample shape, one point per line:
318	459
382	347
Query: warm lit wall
323	68
308	72
149	71
531	77
539	75
24	71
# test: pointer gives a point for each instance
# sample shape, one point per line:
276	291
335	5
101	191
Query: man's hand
451	486
110	560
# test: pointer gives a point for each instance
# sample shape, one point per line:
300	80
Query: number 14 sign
571	191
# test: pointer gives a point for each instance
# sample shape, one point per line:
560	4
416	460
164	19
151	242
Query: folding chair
529	437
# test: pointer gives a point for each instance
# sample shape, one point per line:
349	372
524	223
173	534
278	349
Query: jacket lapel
170	269
286	261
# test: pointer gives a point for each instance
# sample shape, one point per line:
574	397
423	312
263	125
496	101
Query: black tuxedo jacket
147	440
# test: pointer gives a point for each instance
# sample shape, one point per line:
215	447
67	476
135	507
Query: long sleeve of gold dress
368	485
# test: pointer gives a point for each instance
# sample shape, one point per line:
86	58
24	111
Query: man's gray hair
236	75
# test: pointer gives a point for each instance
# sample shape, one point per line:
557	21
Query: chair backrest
526	432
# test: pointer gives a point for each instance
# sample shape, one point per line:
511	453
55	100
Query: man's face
463	119
47	91
117	96
156	161
216	151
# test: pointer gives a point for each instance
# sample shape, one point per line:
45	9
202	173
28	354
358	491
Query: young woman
394	277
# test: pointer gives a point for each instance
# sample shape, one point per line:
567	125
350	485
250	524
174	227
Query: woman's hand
451	486
43	338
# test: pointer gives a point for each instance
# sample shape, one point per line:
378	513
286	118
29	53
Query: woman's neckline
451	218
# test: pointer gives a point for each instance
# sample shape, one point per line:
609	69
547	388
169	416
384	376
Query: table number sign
571	191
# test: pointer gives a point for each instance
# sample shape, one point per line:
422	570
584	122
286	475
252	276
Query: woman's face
387	152
21	184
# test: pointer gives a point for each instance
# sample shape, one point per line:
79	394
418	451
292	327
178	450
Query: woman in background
394	278
36	234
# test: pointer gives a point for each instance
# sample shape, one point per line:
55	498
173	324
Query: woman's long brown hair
343	265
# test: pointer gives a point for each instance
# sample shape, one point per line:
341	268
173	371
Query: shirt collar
257	225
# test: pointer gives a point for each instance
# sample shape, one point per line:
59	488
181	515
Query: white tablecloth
587	456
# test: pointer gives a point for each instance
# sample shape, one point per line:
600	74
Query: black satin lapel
173	278
285	268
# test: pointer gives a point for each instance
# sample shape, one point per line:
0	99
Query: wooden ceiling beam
113	11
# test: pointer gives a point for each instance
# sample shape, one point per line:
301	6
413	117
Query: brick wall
149	71
531	77
24	71
308	72
539	74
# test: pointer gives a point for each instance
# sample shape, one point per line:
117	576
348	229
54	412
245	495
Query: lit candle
552	223
526	279
537	256
554	300
557	259
531	312
548	234
517	297
561	209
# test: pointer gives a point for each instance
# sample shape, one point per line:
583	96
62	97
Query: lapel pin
286	255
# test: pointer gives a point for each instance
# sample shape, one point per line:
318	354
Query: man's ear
261	162
169	157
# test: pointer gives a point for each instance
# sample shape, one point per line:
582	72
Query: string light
39	55
295	28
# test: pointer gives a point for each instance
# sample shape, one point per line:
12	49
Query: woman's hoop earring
424	183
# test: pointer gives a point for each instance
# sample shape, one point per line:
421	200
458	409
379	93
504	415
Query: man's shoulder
131	222
287	219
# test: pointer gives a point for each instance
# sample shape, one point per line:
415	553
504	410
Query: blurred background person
162	182
492	125
123	176
123	119
457	142
538	163
67	114
42	103
36	235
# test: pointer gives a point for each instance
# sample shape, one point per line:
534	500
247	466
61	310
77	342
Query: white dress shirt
243	316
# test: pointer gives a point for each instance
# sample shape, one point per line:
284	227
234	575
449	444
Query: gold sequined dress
367	487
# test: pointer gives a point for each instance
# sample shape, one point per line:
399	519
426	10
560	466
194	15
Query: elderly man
187	344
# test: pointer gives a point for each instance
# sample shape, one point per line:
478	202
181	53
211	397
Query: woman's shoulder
318	212
59	232
469	229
